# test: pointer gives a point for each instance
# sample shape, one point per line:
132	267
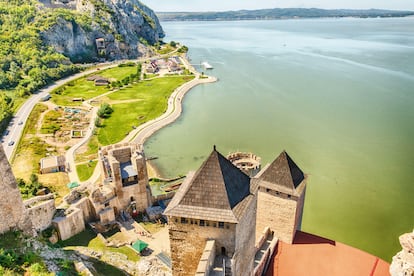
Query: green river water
336	94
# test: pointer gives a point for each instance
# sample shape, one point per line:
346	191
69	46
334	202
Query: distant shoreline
281	14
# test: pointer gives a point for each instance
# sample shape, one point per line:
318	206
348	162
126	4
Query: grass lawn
50	122
31	123
152	227
153	94
89	239
85	171
81	88
27	158
56	182
91	152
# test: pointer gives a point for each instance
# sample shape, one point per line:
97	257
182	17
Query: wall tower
214	203
280	197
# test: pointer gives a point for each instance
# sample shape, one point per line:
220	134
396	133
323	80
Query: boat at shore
206	65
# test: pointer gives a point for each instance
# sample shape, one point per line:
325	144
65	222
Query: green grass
89	239
50	122
31	122
92	151
153	94
81	88
85	171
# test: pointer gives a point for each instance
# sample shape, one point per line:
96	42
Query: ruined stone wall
278	212
188	241
122	155
138	192
13	214
85	206
243	259
41	213
69	225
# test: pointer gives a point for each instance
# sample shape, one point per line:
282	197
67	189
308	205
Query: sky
226	5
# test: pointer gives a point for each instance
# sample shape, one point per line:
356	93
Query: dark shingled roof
283	173
217	191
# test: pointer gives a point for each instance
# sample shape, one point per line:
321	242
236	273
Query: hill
41	40
266	14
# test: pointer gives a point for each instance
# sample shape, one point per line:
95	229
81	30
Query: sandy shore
152	170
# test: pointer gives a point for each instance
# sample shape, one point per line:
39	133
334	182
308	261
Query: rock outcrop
403	263
13	214
118	29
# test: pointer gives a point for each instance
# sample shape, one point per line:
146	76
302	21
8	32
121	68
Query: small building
52	164
173	66
101	81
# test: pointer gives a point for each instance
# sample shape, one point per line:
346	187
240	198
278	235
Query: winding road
16	126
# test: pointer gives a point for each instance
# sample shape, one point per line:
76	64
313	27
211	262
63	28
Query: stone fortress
221	221
216	215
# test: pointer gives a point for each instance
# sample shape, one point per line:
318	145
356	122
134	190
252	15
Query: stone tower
213	204
13	214
125	168
280	197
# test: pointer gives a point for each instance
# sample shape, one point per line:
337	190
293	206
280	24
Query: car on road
6	132
11	143
21	122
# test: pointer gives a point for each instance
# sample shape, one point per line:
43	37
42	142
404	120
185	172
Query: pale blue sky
225	5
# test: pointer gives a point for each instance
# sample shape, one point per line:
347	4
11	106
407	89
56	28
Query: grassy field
153	94
50	122
89	239
31	123
56	182
85	171
91	152
82	88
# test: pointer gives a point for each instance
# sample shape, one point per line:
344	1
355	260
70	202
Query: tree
105	111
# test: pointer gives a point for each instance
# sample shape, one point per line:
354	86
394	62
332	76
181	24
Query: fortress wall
188	242
245	249
85	206
277	213
207	259
70	225
42	214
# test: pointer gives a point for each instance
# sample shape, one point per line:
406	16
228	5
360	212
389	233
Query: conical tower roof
282	175
217	191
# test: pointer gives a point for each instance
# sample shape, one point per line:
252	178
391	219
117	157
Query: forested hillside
40	41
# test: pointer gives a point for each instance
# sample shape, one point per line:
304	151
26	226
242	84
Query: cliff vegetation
41	41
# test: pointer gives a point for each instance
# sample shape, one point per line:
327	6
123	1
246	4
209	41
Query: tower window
221	224
202	222
184	220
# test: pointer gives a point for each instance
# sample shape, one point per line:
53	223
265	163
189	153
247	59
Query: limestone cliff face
123	25
13	215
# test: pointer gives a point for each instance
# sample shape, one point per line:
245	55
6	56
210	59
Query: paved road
16	126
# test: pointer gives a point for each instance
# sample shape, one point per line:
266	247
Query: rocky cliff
13	214
102	29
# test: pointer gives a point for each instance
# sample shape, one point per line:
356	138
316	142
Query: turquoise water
336	94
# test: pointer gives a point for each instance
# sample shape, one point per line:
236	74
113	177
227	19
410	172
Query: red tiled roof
311	255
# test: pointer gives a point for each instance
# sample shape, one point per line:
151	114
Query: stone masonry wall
41	214
70	225
13	214
188	241
245	249
278	213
